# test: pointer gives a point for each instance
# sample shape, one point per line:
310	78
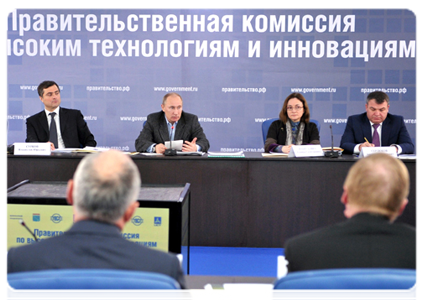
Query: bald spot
109	164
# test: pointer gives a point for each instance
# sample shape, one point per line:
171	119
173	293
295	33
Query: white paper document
274	154
194	153
151	154
177	145
407	156
226	154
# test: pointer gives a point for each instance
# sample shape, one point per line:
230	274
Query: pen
366	140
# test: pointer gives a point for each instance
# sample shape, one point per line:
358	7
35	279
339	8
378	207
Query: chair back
317	124
265	127
90	279
366	278
266	124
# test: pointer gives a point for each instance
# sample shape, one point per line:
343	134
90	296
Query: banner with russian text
232	67
148	226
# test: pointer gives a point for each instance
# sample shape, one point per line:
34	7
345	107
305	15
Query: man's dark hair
45	85
379	97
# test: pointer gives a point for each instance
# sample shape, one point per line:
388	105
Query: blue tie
171	132
53	130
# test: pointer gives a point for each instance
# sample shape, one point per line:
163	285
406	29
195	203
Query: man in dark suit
375	194
376	127
71	130
103	193
171	123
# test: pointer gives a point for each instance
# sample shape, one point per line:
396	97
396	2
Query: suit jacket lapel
163	130
385	129
43	122
367	131
63	119
180	128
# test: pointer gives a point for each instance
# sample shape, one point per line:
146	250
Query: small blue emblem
137	220
36	217
56	218
157	221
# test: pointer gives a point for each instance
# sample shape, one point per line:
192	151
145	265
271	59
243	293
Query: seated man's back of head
104	194
375	194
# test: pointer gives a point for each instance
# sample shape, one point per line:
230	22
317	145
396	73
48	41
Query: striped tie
376	140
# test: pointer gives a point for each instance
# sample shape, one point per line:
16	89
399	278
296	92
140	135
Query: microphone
171	138
170	152
331	153
26	227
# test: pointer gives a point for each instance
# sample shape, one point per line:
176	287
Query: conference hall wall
233	68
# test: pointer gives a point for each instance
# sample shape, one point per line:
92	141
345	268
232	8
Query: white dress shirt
379	131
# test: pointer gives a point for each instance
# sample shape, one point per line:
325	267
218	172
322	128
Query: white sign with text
306	151
31	149
366	151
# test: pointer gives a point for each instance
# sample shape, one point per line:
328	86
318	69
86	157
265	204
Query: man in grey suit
71	130
171	124
104	194
375	194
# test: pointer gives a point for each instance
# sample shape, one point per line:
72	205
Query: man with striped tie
376	127
61	127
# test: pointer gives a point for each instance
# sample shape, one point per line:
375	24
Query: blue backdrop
233	68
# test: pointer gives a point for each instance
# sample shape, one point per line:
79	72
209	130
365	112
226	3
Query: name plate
31	149
306	151
366	151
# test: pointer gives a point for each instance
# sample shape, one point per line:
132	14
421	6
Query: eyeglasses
296	108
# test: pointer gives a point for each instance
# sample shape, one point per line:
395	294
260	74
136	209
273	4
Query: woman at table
293	127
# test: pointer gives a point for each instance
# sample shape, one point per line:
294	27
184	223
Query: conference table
250	201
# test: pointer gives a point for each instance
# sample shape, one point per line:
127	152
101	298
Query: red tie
375	139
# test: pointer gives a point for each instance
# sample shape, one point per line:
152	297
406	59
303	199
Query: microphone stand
170	152
332	153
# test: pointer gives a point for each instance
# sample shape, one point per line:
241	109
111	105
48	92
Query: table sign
306	151
366	151
31	149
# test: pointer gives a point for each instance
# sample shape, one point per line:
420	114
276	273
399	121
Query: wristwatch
154	149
